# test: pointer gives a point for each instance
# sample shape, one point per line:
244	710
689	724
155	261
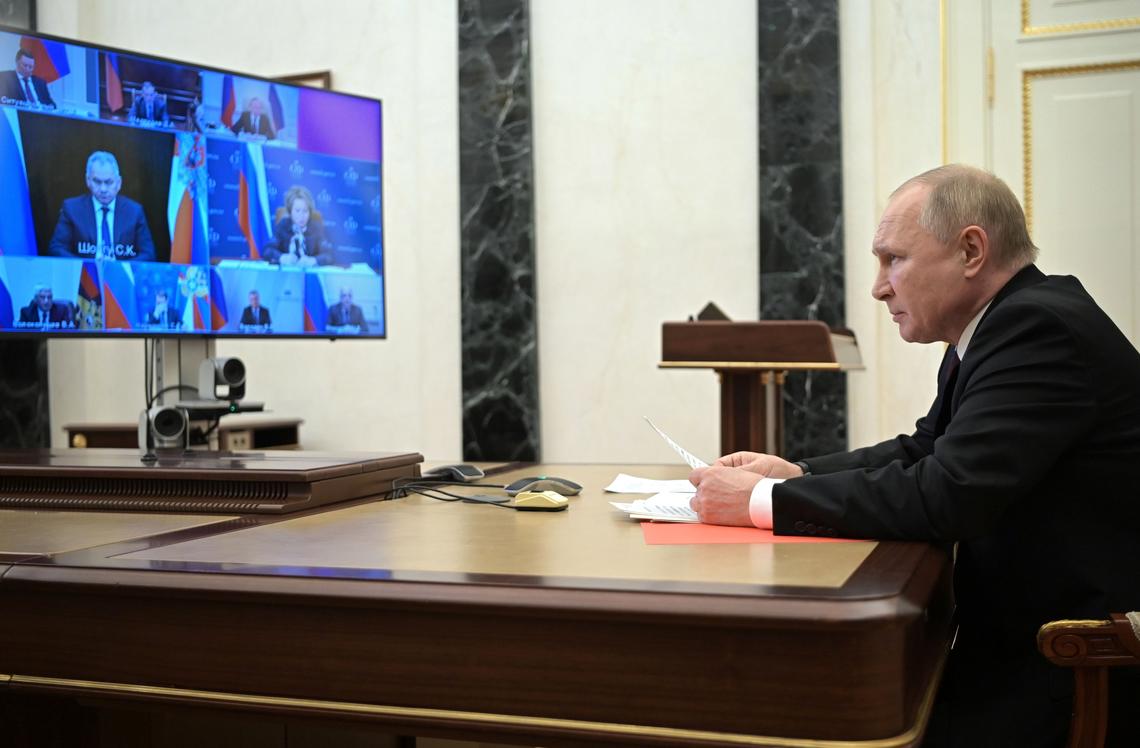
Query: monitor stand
273	482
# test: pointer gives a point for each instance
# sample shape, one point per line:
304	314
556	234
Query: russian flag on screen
51	57
316	310
6	313
276	108
218	316
17	235
229	103
114	82
253	200
119	308
186	203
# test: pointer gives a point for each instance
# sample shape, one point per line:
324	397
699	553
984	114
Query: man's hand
768	466
723	494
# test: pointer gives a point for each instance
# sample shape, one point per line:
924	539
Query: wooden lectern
752	360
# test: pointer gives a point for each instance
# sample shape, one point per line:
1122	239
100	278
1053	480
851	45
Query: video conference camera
168	426
221	386
227	372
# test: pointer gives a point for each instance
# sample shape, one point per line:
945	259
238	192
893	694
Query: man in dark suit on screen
22	85
254	121
102	225
45	312
255	317
346	314
162	314
1026	460
148	107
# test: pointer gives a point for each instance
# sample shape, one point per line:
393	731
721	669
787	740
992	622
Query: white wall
647	195
646	184
892	130
395	394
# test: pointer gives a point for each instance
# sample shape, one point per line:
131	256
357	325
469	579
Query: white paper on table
664	507
631	484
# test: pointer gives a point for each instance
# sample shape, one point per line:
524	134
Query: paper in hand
690	460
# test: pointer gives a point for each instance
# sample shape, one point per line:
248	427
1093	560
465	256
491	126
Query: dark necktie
28	93
149	110
947	379
105	233
255	123
43	316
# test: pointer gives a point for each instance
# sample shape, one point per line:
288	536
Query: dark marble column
801	202
24	415
500	353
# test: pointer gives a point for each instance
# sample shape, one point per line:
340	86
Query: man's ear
974	244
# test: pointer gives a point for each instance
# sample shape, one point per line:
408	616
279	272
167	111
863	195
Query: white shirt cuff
760	505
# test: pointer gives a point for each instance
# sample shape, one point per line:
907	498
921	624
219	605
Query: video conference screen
143	196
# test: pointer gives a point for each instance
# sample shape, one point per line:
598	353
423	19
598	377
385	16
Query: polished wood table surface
467	620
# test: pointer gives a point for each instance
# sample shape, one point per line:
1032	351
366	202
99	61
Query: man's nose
880	289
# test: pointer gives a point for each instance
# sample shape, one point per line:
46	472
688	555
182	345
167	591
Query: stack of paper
664	507
671	502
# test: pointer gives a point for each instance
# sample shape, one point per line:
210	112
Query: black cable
421	482
440	495
171	388
147	386
211	429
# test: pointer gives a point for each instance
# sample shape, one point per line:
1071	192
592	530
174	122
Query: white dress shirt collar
968	333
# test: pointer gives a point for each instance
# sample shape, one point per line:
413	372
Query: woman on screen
195	117
299	232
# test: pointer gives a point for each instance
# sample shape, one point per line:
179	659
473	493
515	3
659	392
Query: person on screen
299	234
45	312
254	121
346	314
102	225
22	85
1025	459
162	315
255	317
195	117
148	107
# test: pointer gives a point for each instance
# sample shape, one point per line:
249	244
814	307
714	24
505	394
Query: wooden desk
234	434
472	621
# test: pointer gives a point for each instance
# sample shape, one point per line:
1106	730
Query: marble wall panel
801	224
24	413
499	352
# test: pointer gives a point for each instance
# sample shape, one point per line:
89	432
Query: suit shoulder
128	203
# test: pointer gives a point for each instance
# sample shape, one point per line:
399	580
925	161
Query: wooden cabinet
236	435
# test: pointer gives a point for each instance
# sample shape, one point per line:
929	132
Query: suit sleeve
63	239
275	247
44	93
1025	398
144	243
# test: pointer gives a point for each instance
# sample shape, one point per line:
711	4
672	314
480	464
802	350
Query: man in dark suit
21	85
255	316
347	314
43	311
148	107
1026	459
162	315
102	225
254	121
